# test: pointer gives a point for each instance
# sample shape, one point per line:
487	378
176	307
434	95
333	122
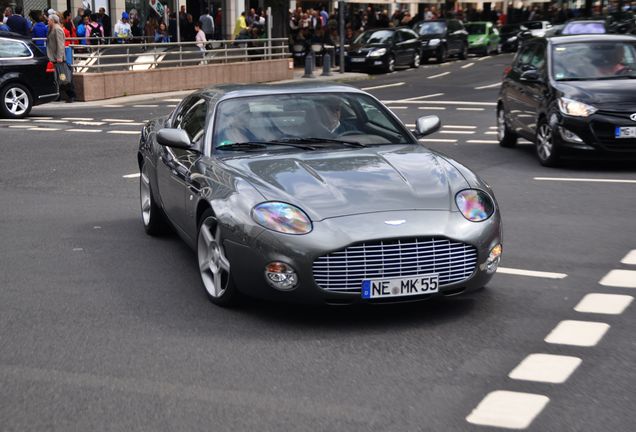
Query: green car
483	38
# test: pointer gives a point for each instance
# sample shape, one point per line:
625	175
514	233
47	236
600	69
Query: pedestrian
241	24
207	24
79	18
161	35
200	39
123	31
218	20
16	22
39	30
55	53
104	20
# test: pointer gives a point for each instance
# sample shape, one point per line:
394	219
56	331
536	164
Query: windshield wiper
248	145
312	140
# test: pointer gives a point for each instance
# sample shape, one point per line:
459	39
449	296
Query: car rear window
584	28
13	49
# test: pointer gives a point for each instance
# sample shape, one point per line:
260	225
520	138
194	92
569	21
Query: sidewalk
298	73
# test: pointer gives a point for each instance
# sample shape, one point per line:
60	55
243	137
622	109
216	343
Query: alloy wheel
144	196
16	101
544	142
213	265
501	125
391	64
416	60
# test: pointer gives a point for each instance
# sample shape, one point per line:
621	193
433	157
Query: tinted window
375	37
430	27
533	25
594	60
476	28
13	48
523	57
193	121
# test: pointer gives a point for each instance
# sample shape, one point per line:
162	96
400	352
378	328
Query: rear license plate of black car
625	132
400	287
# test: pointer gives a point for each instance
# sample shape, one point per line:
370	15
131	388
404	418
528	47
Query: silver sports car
315	194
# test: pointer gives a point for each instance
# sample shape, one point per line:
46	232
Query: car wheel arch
202	207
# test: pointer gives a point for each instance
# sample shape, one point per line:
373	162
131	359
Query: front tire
463	54
442	54
15	101
390	64
547	151
416	60
506	137
214	267
151	214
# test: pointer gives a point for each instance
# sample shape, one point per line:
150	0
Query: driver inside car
333	124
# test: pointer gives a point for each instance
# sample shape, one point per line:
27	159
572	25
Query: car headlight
475	205
434	42
575	108
512	39
281	217
377	52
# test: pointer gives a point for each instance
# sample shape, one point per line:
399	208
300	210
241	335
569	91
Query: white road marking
77	118
127	124
548	368
483	58
398	107
431	140
488	86
145	106
117	120
40	118
577	333
416	98
84	130
120	132
21	126
382	86
43	129
459	126
14	120
490	133
531	273
492	127
506	409
437	102
470	109
172	100
468	65
438	75
113	106
89	123
630	258
620	278
50	121
482	142
590	180
135	175
432	108
171	106
457	132
610	304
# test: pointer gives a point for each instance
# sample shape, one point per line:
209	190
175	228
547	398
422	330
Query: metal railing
144	55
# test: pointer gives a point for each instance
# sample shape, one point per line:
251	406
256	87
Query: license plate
400	287
625	132
357	59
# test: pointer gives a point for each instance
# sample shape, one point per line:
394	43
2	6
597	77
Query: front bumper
597	133
248	261
364	63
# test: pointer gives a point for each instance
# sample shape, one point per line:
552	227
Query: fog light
281	276
493	259
569	136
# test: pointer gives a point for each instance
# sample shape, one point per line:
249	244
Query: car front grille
604	129
343	271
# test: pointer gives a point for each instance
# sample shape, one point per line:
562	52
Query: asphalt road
105	328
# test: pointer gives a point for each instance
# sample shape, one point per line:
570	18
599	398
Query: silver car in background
319	194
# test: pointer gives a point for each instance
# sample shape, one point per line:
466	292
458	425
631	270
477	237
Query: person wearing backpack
94	31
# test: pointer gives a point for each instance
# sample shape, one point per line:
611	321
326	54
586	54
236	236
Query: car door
456	35
407	44
398	48
535	91
514	88
173	166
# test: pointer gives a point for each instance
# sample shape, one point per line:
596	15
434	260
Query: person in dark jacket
39	29
104	20
16	22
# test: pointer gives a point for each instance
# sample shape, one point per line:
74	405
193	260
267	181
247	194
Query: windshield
510	28
310	119
476	29
592	61
374	37
533	25
432	27
584	28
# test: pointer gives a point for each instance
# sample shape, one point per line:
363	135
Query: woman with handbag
55	52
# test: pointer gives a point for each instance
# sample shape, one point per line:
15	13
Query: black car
442	38
27	78
383	50
571	94
509	35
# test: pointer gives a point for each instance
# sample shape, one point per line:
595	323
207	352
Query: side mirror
427	125
177	138
530	75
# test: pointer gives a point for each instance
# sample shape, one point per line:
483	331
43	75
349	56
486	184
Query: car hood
603	94
328	184
427	37
364	49
476	37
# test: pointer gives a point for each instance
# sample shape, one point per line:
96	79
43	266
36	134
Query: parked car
571	95
383	50
442	38
509	36
315	193
576	27
27	78
536	28
483	38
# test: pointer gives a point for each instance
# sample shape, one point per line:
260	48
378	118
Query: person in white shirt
200	39
207	24
122	29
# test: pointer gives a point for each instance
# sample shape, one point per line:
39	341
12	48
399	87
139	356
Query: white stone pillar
58	5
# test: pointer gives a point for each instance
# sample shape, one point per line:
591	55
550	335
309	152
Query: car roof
564	39
11	35
227	91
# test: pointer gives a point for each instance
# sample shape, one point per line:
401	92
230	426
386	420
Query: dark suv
27	78
571	94
442	38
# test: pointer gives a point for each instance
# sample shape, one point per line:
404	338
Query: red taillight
507	70
50	67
